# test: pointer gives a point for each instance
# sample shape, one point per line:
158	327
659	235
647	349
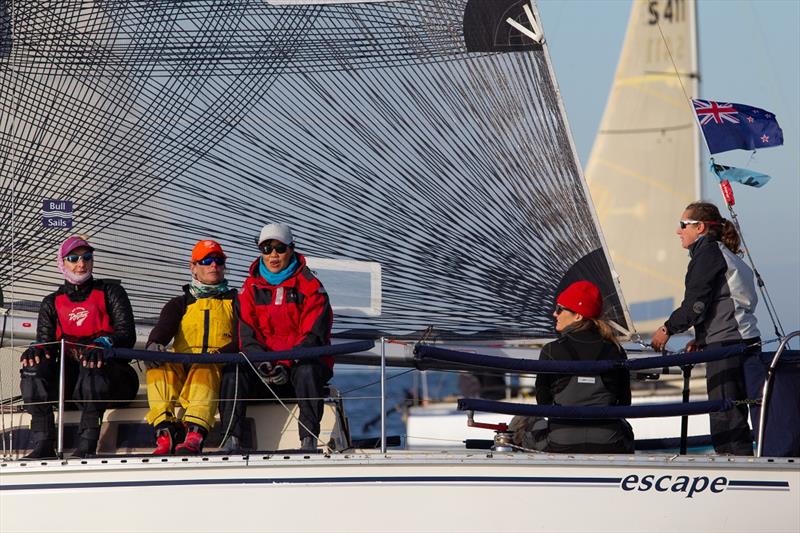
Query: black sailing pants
730	431
307	380
89	388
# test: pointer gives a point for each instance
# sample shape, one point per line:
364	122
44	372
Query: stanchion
61	381
383	395
687	375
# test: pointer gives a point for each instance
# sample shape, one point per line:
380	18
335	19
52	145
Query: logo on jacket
78	315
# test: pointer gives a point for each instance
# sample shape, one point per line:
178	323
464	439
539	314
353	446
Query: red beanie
582	297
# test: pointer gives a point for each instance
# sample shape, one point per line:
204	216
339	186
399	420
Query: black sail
426	136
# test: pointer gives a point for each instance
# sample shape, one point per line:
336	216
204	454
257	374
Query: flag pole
762	286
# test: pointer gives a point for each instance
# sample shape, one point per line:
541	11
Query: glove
154	347
279	375
275	374
92	357
33	355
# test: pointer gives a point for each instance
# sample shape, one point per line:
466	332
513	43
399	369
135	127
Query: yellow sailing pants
195	387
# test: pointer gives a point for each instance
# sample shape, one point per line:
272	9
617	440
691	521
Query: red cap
205	248
71	243
582	297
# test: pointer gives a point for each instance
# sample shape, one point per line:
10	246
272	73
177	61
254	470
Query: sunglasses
560	308
685	223
74	258
267	248
219	261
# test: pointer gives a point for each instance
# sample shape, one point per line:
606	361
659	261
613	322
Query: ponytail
730	237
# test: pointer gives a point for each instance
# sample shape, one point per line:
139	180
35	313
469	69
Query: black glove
33	355
275	374
92	356
279	375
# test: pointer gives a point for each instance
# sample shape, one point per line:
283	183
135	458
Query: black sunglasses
560	308
267	248
74	258
219	261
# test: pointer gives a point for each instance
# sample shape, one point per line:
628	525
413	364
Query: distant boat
644	168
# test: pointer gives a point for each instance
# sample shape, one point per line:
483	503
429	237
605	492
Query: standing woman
583	336
719	302
84	311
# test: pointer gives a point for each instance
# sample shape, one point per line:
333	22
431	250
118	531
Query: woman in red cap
583	337
90	314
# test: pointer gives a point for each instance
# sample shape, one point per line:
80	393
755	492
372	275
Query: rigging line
291	414
773	314
674	64
376	382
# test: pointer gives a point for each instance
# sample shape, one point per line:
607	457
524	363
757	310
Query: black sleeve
169	320
47	324
121	314
704	269
248	340
233	346
544	393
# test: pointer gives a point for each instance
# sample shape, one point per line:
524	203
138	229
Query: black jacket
117	304
583	345
720	296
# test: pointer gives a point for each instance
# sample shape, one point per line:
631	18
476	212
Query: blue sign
57	214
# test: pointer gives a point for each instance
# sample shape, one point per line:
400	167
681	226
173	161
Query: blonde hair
602	326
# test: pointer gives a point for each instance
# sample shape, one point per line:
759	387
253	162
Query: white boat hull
403	491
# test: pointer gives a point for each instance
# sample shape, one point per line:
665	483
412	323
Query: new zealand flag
736	126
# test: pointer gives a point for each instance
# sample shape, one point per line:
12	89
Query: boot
308	443
193	444
43	449
232	445
166	438
87	447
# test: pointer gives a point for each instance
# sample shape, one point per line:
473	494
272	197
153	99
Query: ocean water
360	388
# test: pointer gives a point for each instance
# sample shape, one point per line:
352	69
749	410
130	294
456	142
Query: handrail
307	352
576	367
596	412
766	390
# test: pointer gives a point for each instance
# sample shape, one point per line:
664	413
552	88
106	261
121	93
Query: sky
749	54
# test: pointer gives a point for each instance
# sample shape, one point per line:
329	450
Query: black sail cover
423	136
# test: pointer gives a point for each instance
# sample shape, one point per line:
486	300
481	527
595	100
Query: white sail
644	165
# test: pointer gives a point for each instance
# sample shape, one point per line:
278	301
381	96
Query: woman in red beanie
584	336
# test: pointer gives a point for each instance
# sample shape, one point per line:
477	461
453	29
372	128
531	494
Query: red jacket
294	314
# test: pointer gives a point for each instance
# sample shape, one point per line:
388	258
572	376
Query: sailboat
644	166
403	140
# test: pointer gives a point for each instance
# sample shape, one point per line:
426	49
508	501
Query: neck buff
75	279
280	277
199	289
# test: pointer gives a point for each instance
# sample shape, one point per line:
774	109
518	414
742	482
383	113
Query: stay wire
264	381
762	286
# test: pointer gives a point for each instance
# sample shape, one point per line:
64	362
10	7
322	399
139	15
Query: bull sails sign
57	214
